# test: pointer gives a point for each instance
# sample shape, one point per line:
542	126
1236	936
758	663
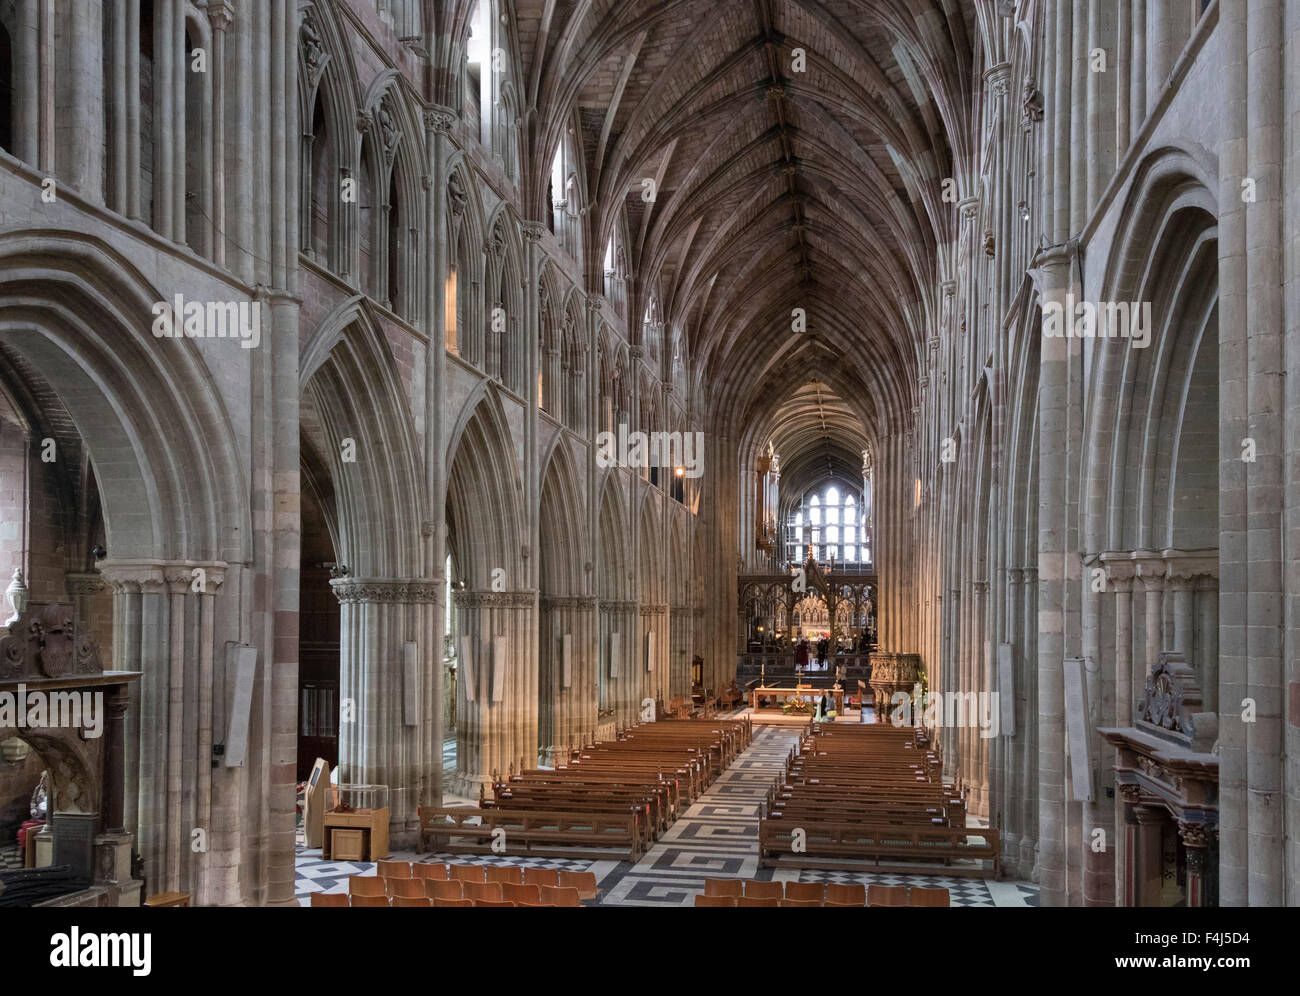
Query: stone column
1126	874
1119	579
438	123
497	712
1151	571
1148	854
26	82
381	736
568	713
1054	269
1207	640
1029	773
220	14
1163	40
980	680
115	760
1182	584
162	626
1195	841
78	109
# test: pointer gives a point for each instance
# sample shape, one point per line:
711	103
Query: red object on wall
22	833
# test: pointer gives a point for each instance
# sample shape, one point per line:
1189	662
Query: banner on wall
467	667
498	668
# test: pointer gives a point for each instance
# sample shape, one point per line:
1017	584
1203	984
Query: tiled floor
715	838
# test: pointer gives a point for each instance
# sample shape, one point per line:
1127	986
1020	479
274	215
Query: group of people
803	650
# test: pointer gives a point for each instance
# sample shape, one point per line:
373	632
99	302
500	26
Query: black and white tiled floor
717	837
11	859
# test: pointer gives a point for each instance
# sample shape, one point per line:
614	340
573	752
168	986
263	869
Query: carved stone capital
1120	570
494	599
1194	835
84	582
575	603
221	14
532	232
132	576
389	590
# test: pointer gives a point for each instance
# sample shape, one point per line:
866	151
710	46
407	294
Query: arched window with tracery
828	522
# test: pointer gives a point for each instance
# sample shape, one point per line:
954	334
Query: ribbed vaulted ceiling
780	185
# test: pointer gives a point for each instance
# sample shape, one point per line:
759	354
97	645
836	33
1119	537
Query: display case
356	829
359	798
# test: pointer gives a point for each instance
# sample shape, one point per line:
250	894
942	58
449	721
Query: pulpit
892	674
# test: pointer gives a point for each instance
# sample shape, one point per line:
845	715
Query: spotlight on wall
98	552
1024	211
679	471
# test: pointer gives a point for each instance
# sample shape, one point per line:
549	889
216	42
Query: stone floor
715	838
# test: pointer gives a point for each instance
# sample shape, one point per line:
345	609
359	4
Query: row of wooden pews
854	793
610	800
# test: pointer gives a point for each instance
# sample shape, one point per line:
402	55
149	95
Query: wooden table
168	899
803	692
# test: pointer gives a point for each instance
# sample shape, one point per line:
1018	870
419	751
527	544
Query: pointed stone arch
161	440
567	657
497	686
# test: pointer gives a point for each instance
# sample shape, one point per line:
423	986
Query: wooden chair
453	902
764	890
554	895
370	900
407	888
520	893
928	897
366	885
393	869
756	901
584	882
412	901
492	902
467	873
801	902
846	895
319	899
541	876
887	895
490	891
804	891
425	870
703	899
732	887
453	889
504	874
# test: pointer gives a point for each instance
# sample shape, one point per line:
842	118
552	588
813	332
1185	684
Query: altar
805	692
